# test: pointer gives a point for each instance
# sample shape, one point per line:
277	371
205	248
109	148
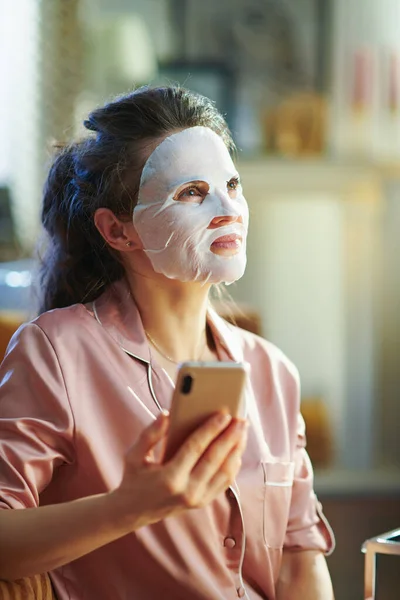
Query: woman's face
191	215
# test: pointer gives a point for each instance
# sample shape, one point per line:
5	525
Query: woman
84	388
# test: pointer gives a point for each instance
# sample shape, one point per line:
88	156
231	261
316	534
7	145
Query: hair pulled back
104	170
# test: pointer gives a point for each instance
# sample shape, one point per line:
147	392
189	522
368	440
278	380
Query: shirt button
229	542
240	591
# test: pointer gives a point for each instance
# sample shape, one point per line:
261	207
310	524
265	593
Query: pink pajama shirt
77	387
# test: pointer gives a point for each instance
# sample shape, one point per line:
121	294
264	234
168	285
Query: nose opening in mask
225	219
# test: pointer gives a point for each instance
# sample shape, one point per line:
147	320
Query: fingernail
224	418
165	412
242	425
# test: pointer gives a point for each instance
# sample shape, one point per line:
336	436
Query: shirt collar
117	312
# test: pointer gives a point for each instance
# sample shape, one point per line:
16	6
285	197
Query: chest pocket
278	483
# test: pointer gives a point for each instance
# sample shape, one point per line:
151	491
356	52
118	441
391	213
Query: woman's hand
42	539
204	467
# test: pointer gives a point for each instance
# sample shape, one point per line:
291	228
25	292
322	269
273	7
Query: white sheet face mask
188	181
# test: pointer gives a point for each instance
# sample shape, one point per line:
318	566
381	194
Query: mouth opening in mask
227	245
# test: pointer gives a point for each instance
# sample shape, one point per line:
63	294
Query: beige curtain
48	62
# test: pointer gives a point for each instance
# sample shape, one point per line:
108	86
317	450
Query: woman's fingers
214	458
204	466
227	472
148	439
193	448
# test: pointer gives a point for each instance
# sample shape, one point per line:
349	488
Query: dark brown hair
104	170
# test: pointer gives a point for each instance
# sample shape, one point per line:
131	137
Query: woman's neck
173	314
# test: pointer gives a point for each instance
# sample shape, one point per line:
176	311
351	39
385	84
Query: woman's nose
225	220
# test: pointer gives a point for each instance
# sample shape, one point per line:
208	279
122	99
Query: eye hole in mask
233	186
195	191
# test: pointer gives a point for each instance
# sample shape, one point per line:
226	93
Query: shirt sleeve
36	422
308	528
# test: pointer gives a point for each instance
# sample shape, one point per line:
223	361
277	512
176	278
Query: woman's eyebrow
237	176
193	181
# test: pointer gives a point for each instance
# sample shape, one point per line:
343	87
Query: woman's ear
120	235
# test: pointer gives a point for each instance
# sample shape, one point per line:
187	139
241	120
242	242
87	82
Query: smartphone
202	389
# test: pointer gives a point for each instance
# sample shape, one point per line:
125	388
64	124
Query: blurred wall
155	13
365	87
20	106
312	274
388	391
297	271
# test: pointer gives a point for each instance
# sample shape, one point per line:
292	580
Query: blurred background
311	91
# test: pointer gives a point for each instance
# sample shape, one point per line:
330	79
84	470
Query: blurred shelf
340	482
331	162
315	174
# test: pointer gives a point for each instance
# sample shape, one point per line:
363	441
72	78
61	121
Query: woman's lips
232	241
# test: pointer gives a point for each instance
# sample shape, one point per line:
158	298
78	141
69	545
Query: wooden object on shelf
318	431
9	323
29	588
297	127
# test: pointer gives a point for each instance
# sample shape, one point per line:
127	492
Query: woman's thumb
150	437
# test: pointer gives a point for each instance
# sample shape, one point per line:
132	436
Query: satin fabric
77	387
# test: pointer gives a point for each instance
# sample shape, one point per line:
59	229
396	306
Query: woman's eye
233	184
191	194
